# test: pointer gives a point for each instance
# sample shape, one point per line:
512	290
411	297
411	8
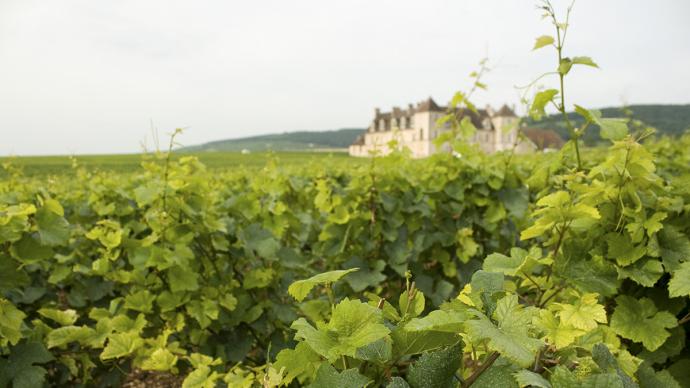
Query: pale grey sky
87	76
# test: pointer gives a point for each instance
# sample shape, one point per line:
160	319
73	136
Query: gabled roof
505	111
477	118
429	105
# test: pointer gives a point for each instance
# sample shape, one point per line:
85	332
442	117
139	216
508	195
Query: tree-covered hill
667	119
288	141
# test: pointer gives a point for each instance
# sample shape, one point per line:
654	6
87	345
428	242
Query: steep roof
506	112
477	118
429	105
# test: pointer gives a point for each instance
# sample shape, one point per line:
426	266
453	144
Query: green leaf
140	301
672	347
679	285
415	342
201	377
588	275
608	363
645	272
30	250
680	370
63	317
182	279
500	374
299	363
379	351
353	325
613	129
160	360
648	377
565	66
439	320
528	378
301	288
11	276
20	367
121	345
436	369
519	261
259	240
536	111
508	265
587	61
369	274
557	333
258	278
398	382
64	335
11	320
328	377
675	247
510	337
411	308
584	313
205	311
145	195
543	41
53	229
622	249
640	321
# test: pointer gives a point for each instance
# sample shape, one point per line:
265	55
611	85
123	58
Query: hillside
288	141
667	119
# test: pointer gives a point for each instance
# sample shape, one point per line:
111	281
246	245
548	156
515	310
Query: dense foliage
563	269
181	270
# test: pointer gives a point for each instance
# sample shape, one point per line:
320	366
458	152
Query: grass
56	165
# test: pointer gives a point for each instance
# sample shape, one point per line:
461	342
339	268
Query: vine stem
559	48
489	361
684	320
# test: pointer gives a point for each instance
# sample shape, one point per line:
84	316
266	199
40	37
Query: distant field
49	165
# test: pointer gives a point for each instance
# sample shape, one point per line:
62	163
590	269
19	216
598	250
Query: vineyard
563	269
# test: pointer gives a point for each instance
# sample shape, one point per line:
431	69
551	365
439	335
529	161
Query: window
421	134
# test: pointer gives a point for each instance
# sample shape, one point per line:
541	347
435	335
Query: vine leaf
301	288
584	313
640	321
353	325
510	336
536	111
680	281
329	377
543	41
298	362
19	367
530	379
11	319
436	369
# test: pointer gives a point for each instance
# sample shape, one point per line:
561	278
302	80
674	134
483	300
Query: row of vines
563	269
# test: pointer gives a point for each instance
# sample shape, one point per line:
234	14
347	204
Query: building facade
415	128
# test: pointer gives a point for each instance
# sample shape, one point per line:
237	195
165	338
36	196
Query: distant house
416	129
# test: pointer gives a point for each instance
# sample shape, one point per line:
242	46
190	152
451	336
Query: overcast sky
89	76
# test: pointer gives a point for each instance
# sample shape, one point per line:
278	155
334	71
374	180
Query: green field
49	165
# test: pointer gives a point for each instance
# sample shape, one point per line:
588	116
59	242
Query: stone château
416	129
